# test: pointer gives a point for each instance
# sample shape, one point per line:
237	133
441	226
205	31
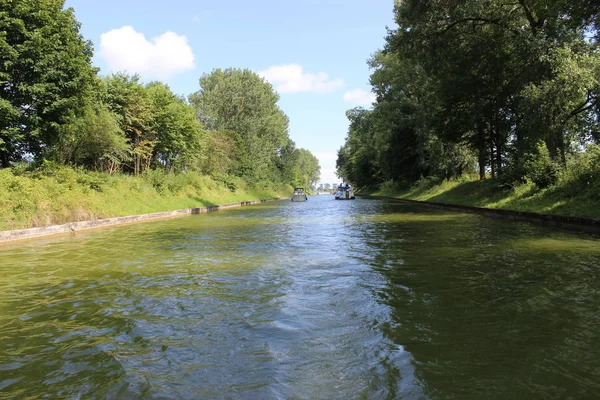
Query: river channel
364	299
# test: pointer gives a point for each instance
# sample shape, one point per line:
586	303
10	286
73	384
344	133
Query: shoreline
582	224
12	236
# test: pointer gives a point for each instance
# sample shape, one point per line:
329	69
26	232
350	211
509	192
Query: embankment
28	233
559	206
64	198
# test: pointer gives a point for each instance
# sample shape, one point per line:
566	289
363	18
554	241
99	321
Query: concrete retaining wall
558	221
19	234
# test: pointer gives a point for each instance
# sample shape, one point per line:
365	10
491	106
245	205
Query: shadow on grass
475	193
489	194
205	203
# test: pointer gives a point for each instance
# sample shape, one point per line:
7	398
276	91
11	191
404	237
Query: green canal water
326	299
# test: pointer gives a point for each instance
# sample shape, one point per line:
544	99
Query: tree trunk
551	146
482	163
561	146
499	144
482	152
492	160
4	159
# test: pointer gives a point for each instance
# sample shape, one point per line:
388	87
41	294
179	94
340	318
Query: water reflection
323	299
485	316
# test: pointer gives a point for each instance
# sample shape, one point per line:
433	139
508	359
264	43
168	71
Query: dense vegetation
56	111
504	90
57	194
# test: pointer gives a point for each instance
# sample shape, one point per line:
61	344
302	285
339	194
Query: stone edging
558	221
19	234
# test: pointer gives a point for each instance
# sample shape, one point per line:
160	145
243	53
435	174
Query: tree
222	156
45	75
484	79
94	140
308	167
241	101
128	99
179	134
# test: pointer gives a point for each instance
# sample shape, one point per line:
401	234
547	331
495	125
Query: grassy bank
567	197
57	195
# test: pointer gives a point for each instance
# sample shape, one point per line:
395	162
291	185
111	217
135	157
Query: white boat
344	193
299	194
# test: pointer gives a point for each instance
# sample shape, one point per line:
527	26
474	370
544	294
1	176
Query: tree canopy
45	75
240	101
54	106
477	82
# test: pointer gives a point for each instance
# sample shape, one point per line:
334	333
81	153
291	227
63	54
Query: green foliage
179	134
231	182
45	72
168	182
94	140
470	82
307	167
223	151
56	113
541	169
56	194
582	175
129	100
241	101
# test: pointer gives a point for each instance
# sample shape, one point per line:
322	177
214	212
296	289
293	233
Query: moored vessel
299	194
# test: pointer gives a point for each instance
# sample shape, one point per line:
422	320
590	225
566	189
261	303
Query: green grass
469	191
59	195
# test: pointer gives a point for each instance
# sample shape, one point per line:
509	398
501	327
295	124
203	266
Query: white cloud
164	56
359	97
291	78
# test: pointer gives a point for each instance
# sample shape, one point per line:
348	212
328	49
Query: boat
299	194
344	192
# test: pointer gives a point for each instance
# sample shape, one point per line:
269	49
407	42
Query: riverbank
469	191
30	233
63	195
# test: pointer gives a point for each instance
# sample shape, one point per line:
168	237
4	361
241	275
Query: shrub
233	183
540	168
387	187
583	172
427	182
156	178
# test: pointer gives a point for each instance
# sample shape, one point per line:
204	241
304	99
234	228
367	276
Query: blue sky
314	52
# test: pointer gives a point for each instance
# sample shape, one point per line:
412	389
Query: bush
232	183
427	182
582	174
387	187
540	169
156	178
177	183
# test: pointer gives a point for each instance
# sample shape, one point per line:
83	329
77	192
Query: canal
364	299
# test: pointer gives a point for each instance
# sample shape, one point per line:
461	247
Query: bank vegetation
506	91
76	145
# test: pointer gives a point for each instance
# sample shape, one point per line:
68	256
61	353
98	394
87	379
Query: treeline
508	90
55	108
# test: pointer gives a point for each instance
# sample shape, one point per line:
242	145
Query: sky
314	52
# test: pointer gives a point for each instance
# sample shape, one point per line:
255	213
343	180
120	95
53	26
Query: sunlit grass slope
562	199
59	195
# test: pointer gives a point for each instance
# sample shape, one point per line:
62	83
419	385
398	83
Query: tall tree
127	98
308	167
241	101
179	134
45	75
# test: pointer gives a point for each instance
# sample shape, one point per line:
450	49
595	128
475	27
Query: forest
502	91
57	111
